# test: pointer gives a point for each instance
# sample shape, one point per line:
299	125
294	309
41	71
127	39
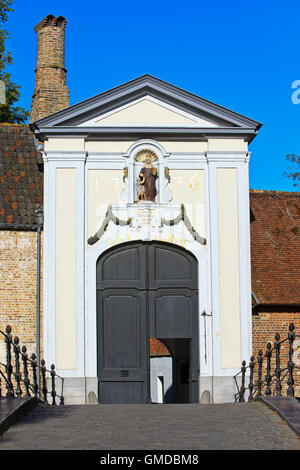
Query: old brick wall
265	324
18	259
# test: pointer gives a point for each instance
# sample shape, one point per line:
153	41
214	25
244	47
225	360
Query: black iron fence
24	376
268	375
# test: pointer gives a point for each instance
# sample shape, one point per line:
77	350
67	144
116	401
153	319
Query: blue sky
242	55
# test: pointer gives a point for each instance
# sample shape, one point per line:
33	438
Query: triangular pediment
148	111
147	103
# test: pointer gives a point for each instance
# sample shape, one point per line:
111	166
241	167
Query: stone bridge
252	426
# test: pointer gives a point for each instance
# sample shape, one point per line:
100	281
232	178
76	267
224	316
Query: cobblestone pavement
156	427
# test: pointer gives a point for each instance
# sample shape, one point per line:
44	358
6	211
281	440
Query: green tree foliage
8	112
294	172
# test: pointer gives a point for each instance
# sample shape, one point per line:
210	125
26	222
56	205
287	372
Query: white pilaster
239	161
54	161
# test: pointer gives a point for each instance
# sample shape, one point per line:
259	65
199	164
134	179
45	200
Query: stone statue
147	181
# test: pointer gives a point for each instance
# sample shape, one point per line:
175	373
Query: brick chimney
51	93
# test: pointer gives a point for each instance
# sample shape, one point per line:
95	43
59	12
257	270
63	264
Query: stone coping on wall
288	408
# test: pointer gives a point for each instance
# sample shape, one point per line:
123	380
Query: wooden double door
144	290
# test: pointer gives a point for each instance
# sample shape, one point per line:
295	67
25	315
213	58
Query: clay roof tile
20	176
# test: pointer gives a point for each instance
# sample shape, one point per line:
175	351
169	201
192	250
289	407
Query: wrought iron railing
27	373
277	380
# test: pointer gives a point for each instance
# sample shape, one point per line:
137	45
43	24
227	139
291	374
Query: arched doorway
144	290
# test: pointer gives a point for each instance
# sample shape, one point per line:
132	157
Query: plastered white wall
65	285
104	188
188	187
228	237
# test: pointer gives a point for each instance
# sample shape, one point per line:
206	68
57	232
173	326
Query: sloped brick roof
20	179
275	246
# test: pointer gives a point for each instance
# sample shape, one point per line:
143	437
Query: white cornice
187	157
64	155
227	156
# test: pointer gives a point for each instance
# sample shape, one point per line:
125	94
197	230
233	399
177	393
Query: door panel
170	266
122	345
122	267
121	392
121	331
171	313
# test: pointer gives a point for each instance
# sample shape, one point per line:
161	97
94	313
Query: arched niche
135	161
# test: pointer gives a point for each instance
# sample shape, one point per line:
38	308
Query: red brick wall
265	324
18	288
